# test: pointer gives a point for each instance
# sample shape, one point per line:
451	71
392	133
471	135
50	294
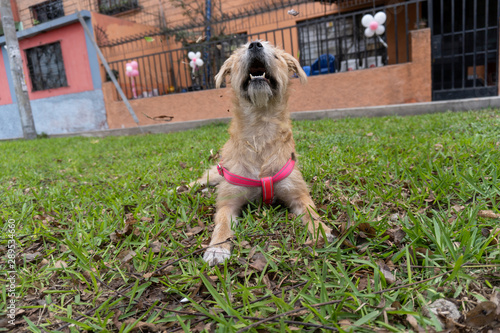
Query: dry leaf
488	214
194	231
182	189
155	246
252	252
457	208
259	262
484	314
396	235
414	324
267	282
32	256
128	255
495	298
367	229
60	264
385	270
345	324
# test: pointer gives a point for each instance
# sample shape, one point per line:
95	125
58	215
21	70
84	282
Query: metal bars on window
46	11
464	48
46	67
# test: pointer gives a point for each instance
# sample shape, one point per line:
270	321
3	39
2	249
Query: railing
338	45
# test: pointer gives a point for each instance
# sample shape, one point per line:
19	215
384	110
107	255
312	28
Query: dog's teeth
252	77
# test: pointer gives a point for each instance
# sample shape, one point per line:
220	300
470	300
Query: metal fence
464	48
330	44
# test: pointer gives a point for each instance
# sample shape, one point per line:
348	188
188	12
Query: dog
261	150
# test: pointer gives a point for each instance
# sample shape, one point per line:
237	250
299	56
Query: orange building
430	50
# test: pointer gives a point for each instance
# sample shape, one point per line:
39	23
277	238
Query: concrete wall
393	84
57	115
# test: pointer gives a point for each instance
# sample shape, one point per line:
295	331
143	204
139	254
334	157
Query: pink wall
76	63
5	97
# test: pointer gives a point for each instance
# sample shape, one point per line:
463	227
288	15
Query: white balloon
199	62
369	32
380	30
129	68
191	55
380	17
198	55
366	20
192	64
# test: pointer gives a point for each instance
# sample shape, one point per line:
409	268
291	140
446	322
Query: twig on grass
159	118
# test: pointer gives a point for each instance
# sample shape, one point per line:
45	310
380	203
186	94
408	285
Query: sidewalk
375	111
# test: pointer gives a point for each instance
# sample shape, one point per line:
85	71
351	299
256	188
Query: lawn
105	243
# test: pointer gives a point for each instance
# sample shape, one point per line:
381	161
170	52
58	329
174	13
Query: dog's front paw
216	255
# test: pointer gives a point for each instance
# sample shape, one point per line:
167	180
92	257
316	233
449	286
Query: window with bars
341	36
113	7
46	67
46	11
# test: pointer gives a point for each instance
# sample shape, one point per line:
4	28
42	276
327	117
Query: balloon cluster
131	69
195	60
374	24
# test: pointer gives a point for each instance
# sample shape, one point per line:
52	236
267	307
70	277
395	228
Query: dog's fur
260	143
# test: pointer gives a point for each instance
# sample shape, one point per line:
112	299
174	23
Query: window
46	11
343	37
113	7
46	67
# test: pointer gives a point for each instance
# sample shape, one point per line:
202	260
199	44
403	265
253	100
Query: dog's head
260	73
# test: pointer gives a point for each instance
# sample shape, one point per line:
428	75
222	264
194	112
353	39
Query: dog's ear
224	71
294	66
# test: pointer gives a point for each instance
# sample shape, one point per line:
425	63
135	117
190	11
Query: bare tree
16	67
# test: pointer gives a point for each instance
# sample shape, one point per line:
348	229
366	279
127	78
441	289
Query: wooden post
16	68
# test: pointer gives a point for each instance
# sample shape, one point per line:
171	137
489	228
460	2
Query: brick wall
393	84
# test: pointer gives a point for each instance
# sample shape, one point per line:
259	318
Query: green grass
97	218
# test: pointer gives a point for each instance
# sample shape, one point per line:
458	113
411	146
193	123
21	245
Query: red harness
267	183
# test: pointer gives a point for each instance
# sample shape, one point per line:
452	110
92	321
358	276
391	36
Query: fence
331	44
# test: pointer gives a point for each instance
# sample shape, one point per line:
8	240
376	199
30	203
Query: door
464	48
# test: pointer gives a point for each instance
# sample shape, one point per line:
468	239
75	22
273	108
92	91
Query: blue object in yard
323	65
307	70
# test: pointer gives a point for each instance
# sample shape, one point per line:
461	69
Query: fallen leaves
259	262
484	314
386	272
489	214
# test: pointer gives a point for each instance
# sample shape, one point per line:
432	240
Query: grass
104	244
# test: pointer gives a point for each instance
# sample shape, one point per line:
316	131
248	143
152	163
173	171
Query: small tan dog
260	144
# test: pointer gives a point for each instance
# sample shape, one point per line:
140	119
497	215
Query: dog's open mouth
257	74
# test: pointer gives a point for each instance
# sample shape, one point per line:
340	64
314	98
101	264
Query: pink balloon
129	74
373	25
135	72
134	63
